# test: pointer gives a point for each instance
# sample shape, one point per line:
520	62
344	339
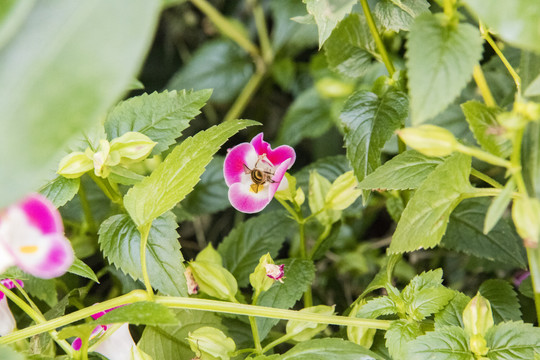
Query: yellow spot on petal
256	188
30	249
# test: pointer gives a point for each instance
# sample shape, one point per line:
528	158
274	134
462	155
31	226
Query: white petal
7	321
118	345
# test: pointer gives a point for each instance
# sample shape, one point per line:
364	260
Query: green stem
533	255
487	157
278	341
134	296
245	96
145	230
255	332
480	192
107	190
320	240
291	211
482	84
226	27
302	235
515	159
378	41
513	73
262	31
86	208
487	179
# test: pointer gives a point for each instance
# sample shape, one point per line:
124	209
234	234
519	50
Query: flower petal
245	200
118	345
276	156
278	177
7	321
238	156
42	214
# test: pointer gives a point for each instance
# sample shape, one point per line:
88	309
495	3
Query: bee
260	176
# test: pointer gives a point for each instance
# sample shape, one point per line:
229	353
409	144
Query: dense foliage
407	223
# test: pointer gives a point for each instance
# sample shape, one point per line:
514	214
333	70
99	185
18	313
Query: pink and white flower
7	321
254	172
275	272
32	238
117	346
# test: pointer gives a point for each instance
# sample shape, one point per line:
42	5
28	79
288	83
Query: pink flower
254	172
275	272
7	321
32	238
117	346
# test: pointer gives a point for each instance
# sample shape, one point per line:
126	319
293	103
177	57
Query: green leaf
160	116
349	50
514	21
139	313
309	116
120	240
398	336
377	307
440	60
425	218
61	190
218	64
170	342
250	240
452	314
318	188
498	206
288	35
175	177
530	160
7	353
428	301
465	233
427	279
83	270
513	340
484	125
210	194
43	289
60	74
399	14
327	14
299	275
503	299
534	88
407	170
329	349
369	121
448	343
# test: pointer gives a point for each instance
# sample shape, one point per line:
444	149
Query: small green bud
430	140
75	165
300	197
302	330
343	192
478	345
132	147
477	316
329	87
258	278
318	189
529	110
214	280
209	254
103	158
209	343
358	334
526	216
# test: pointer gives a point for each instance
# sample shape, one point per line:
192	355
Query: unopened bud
132	147
302	330
343	192
526	216
430	140
103	159
75	165
329	87
477	316
209	254
478	345
209	343
357	334
300	197
214	280
259	279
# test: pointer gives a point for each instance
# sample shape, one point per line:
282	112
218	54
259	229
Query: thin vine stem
487	179
262	31
278	341
87	211
482	84
378	40
246	95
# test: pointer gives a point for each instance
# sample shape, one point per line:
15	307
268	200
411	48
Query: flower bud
259	279
357	334
75	165
210	254
329	87
132	147
101	159
430	140
477	316
526	216
300	197
214	280
209	343
478	345
343	192
302	330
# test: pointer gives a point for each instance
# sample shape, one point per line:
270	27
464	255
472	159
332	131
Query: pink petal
76	344
101	313
245	200
42	214
9	284
276	156
278	176
57	260
238	156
